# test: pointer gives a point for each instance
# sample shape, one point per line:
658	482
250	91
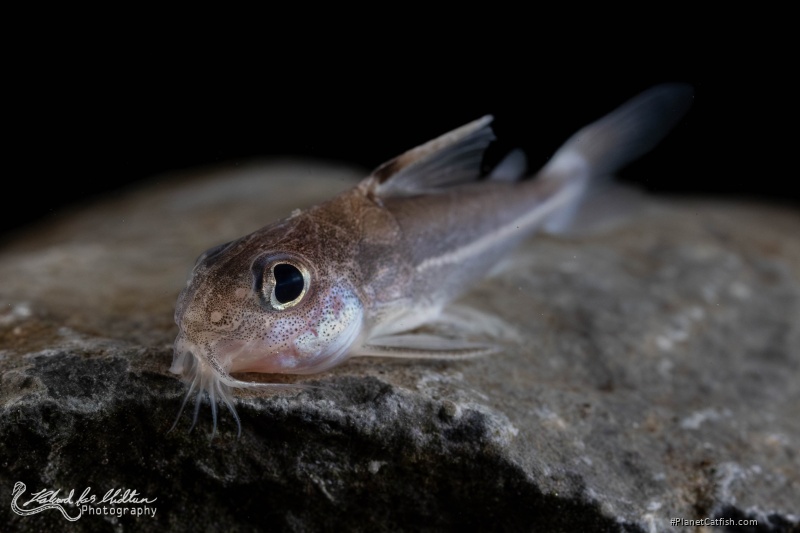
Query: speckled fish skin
386	257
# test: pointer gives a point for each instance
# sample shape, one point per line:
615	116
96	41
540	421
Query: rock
657	376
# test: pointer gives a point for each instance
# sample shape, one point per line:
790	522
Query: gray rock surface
657	377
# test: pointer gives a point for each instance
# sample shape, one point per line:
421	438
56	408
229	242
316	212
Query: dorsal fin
453	158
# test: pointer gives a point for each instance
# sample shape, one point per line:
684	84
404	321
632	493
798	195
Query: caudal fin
605	146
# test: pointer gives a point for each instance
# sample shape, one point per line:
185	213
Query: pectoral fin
455	332
423	346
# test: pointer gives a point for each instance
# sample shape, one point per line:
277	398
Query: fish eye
280	280
287	284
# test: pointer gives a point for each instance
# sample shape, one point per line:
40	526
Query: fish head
265	303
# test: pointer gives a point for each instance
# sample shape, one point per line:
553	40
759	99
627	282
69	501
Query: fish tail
591	156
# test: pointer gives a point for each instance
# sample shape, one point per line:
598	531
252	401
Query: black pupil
288	282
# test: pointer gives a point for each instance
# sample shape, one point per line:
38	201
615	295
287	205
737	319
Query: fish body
362	273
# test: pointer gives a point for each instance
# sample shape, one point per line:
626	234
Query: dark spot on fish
210	256
387	170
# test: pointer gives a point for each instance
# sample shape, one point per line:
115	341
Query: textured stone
657	376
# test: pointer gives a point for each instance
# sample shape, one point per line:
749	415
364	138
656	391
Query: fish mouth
207	379
222	356
190	357
183	356
250	356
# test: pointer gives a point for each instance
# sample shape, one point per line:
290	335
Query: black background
91	114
